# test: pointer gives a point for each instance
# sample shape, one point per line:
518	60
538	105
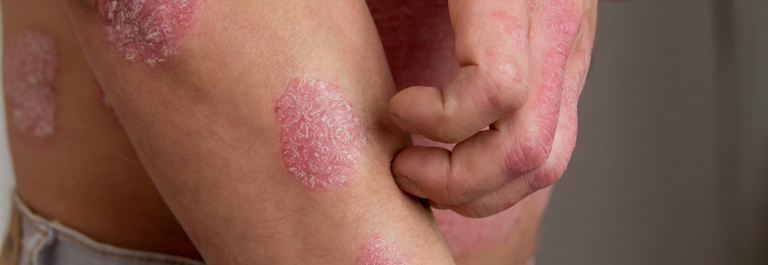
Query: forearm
208	124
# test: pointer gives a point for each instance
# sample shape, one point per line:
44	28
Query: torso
83	172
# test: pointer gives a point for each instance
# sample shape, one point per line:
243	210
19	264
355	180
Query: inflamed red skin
420	51
148	31
466	235
379	251
322	138
419	42
30	68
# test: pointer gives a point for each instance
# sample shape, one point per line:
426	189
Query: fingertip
438	206
415	108
410	187
403	124
425	168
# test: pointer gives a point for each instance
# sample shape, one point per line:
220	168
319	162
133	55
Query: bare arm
263	124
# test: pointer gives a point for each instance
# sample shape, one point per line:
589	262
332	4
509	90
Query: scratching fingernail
438	205
409	186
403	124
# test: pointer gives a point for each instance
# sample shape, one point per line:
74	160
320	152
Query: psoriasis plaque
30	69
147	30
322	138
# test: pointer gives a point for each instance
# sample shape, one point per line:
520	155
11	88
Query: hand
523	66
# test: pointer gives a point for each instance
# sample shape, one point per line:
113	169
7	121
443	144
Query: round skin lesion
322	138
30	68
147	30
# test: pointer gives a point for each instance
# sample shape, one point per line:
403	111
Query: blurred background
6	169
671	164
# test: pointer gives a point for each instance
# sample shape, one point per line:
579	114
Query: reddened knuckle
531	151
546	180
550	174
544	136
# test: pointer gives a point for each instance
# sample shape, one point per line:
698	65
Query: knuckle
550	174
506	88
529	152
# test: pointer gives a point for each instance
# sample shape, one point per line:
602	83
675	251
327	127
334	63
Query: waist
39	241
126	216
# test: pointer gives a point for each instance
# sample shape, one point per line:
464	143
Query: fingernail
438	205
403	124
409	186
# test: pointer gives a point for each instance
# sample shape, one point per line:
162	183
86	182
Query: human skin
85	173
206	123
64	177
516	247
421	51
523	66
509	237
